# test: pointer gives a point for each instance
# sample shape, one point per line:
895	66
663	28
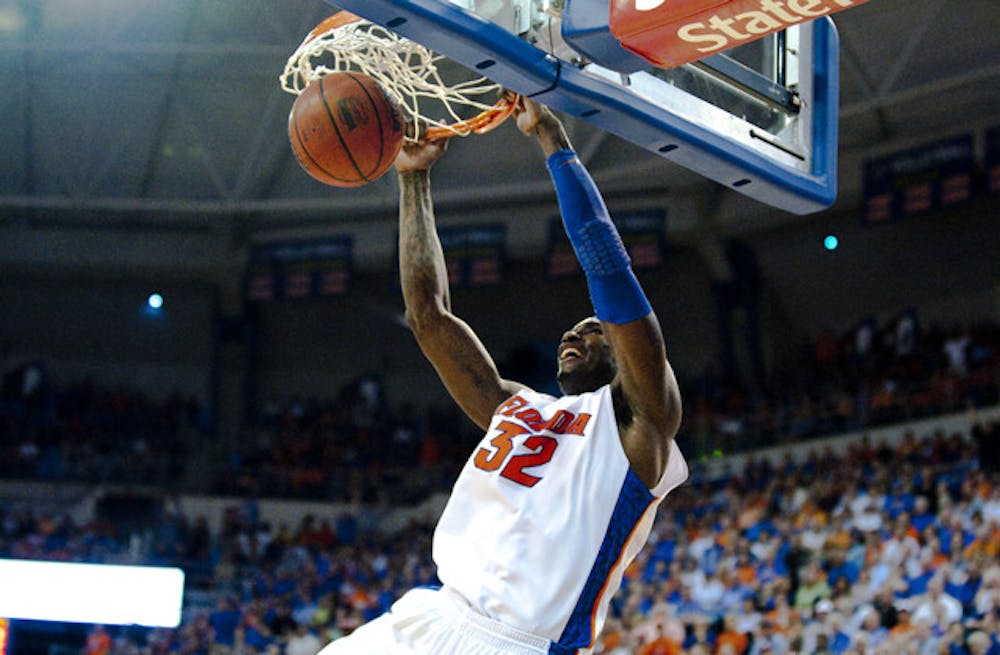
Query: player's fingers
410	130
519	106
441	143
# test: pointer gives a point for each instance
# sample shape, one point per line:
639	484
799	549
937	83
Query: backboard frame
643	109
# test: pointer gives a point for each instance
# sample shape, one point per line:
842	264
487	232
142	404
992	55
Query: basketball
344	130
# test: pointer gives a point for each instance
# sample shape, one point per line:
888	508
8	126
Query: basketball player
560	494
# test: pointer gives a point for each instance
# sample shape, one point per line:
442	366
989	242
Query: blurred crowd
87	433
867	376
362	446
884	549
355	446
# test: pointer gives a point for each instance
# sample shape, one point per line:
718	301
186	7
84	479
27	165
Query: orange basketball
344	130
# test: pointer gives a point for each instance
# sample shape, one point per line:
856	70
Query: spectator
812	588
956	350
870	633
731	637
987	597
303	641
904	626
769	640
661	645
224	622
978	643
98	642
936	607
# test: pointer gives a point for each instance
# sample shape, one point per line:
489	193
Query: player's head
586	361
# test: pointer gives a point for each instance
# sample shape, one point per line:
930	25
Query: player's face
586	362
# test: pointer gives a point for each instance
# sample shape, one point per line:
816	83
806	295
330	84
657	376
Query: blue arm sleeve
614	290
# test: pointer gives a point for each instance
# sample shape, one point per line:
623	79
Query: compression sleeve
614	290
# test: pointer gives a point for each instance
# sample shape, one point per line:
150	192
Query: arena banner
993	159
560	260
299	269
918	180
643	232
675	32
474	254
645	236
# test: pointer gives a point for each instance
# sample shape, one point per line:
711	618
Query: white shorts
436	622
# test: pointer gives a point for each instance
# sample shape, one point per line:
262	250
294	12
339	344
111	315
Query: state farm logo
679	31
720	30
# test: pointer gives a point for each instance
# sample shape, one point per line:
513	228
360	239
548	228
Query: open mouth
569	353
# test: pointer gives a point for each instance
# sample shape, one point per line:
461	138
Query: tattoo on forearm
460	359
421	260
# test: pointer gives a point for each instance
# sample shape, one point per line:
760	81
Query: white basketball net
407	70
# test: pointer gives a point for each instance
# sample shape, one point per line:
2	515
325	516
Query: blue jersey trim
633	500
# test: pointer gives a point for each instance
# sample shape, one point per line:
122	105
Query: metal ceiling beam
500	193
902	60
27	144
606	177
207	160
969	78
262	135
591	146
171	93
505	193
168	49
852	63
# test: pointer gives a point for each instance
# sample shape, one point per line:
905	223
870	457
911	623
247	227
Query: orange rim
338	19
480	124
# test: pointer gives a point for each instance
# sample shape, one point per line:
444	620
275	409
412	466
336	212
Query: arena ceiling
162	117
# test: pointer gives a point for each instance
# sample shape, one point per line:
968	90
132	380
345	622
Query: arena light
91	593
11	22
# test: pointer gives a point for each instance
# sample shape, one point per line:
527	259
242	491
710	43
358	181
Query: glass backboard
760	119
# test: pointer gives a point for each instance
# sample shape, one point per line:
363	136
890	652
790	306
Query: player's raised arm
461	360
647	400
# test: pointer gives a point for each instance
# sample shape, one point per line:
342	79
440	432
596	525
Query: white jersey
546	515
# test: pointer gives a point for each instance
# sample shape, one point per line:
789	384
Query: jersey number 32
512	467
